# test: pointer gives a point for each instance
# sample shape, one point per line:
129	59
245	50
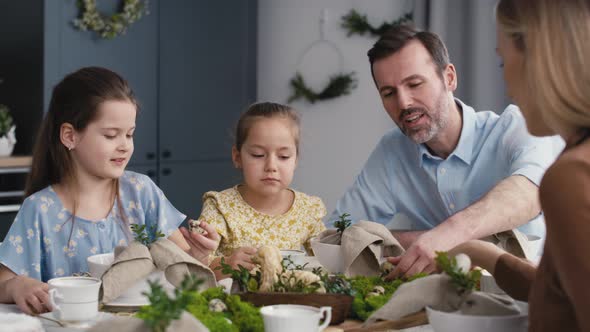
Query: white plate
77	325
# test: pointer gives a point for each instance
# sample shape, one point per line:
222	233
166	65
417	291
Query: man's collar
464	149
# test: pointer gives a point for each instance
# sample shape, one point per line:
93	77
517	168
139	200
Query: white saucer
77	325
129	302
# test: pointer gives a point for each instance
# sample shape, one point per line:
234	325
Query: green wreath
109	27
341	84
354	22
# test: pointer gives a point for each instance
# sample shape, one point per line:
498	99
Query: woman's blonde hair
553	35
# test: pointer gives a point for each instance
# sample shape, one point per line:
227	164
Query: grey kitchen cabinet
203	89
133	55
192	66
184	183
149	170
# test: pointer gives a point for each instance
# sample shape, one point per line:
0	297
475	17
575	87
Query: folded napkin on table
330	236
132	263
514	242
437	292
363	245
186	323
136	261
176	263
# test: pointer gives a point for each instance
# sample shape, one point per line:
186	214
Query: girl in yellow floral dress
263	210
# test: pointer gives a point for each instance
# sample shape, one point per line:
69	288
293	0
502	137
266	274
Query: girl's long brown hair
75	100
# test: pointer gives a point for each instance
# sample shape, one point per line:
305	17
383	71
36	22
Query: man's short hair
399	36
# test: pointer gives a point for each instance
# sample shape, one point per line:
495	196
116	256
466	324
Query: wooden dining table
346	326
413	323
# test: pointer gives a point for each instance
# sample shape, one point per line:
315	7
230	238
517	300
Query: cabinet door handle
150	156
166	171
151	173
166	154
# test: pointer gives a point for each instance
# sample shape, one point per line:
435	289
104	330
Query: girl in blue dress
80	200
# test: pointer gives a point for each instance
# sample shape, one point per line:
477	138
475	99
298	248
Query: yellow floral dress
241	225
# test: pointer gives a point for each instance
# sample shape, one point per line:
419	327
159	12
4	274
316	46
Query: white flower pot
7	143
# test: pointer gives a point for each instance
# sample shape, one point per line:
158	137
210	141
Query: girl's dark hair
265	110
399	36
75	100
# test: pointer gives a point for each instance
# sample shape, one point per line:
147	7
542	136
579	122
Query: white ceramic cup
98	264
328	255
295	318
74	298
295	255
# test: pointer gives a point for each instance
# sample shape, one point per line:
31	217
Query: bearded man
451	173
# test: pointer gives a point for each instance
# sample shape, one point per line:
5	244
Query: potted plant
7	137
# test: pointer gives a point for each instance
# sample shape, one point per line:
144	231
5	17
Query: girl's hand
242	256
30	295
201	245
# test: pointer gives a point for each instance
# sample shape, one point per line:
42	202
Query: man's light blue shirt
402	178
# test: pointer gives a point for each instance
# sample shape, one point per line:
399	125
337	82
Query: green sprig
355	23
144	237
164	309
463	281
241	275
5	120
342	223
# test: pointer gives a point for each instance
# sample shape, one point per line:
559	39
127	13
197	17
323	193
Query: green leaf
142	236
164	309
343	222
355	23
5	120
463	281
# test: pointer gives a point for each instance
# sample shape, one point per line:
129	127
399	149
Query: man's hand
406	238
420	255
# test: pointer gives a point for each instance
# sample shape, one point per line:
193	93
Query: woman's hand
30	295
483	254
201	245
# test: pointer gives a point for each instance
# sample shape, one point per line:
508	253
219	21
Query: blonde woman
546	62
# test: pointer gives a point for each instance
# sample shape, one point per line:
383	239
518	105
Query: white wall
337	135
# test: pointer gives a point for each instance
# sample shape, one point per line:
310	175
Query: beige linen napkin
176	263
131	264
437	292
514	242
330	236
186	323
364	244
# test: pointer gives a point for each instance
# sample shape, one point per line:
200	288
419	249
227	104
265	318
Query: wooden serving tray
341	304
415	319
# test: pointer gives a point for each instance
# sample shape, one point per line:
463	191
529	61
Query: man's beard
438	120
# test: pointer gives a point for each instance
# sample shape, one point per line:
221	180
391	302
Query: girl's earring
70	148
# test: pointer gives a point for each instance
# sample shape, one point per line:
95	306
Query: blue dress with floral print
37	242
